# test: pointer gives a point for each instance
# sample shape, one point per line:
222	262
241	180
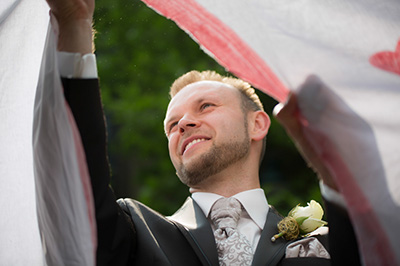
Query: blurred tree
139	55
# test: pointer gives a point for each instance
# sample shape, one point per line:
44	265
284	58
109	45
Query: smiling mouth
190	144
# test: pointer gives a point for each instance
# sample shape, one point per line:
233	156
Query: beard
218	158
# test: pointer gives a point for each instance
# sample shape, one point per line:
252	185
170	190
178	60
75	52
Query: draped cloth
352	122
46	202
23	26
353	46
65	204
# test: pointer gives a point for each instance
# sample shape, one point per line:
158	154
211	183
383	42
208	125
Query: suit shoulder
136	209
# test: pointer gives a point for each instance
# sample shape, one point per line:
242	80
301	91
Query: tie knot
226	212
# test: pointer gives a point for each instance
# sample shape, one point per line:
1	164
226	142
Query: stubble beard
214	161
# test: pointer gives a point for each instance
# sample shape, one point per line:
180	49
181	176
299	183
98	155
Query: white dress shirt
75	65
254	213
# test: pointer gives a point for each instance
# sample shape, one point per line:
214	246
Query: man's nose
186	123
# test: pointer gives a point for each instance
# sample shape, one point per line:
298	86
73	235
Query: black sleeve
343	246
115	231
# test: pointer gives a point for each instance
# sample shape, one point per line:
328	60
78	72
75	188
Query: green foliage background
139	54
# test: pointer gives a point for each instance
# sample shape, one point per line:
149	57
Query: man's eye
171	127
205	105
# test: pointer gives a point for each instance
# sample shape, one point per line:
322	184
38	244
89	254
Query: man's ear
259	124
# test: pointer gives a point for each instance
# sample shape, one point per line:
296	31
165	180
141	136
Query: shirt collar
254	202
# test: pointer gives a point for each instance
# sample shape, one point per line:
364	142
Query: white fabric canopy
22	33
354	47
62	206
65	204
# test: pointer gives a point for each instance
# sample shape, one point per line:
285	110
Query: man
206	121
216	129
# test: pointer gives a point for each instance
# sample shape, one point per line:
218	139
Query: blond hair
250	100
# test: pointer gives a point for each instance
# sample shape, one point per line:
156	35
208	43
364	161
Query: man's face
206	130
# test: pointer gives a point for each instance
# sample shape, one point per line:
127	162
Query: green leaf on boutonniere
300	220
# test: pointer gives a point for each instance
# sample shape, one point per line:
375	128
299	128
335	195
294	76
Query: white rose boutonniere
300	221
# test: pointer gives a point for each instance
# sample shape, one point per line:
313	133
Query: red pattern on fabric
387	60
227	47
361	212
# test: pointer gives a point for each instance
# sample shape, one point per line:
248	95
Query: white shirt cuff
332	195
75	65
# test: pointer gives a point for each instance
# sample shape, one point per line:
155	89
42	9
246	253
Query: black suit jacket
130	233
186	238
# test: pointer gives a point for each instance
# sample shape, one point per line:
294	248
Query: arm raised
75	19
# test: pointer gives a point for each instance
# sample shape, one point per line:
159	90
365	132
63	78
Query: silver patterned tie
233	248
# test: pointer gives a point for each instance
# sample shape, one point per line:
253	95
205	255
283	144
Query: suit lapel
268	252
196	228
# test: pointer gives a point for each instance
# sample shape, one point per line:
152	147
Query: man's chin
191	181
192	177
